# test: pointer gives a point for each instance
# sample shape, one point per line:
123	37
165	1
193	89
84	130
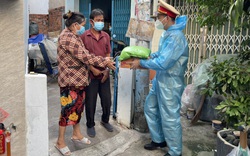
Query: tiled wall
49	23
42	21
55	19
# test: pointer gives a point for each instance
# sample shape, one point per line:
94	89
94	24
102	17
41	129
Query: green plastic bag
134	51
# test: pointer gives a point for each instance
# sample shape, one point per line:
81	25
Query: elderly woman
73	61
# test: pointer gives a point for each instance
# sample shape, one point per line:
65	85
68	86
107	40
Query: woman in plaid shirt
73	61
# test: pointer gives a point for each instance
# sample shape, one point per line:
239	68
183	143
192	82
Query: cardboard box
127	64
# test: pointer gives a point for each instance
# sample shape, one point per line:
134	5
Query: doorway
117	14
105	6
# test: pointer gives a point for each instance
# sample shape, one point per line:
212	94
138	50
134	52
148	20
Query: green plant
216	13
230	78
211	12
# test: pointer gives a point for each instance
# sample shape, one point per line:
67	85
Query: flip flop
64	151
84	140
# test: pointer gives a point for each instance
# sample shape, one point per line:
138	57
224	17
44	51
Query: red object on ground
2	142
7	138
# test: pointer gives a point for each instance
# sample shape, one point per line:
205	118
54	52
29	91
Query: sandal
84	140
64	151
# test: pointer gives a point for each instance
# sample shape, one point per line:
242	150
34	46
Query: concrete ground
198	140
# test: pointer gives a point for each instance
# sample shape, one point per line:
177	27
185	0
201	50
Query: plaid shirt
73	60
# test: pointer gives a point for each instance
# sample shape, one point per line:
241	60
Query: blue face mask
98	26
81	30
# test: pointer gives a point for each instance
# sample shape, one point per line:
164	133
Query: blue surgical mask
98	26
80	31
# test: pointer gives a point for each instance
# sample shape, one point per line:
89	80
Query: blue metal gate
120	19
85	9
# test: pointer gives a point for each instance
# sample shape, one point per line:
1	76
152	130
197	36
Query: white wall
125	96
38	6
42	6
37	140
72	5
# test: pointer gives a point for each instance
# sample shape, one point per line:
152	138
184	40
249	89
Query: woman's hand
111	63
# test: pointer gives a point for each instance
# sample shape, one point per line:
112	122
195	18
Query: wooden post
243	139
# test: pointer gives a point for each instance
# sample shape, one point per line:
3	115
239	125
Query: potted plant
230	78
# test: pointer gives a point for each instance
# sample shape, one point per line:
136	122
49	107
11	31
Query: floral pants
72	101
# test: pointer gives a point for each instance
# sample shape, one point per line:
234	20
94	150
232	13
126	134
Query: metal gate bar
204	43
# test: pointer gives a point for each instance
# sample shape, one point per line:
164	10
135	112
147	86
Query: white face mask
158	24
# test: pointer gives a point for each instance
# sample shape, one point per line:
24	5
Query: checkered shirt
73	60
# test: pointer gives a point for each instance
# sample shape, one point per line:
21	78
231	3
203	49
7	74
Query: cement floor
198	140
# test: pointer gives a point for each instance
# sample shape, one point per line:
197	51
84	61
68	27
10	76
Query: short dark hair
96	12
173	18
73	17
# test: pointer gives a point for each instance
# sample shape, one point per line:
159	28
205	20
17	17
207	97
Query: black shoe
107	126
154	145
91	132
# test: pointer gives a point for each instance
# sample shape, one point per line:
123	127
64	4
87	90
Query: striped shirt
73	60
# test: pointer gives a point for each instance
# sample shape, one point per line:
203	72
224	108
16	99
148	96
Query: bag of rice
134	51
